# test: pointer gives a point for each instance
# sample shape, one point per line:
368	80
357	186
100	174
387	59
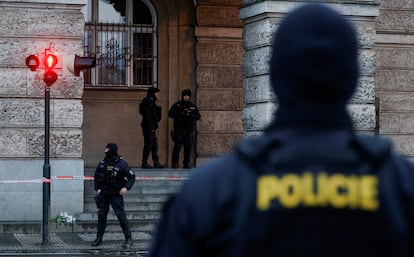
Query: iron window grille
125	51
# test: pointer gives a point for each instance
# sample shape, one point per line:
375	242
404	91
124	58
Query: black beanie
152	90
186	92
113	149
314	65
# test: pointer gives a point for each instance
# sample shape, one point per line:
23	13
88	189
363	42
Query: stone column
29	27
260	21
219	77
395	73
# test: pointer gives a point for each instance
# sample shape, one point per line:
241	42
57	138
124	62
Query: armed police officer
308	186
113	179
184	113
151	116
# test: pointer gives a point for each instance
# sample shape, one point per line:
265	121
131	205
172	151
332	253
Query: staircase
143	203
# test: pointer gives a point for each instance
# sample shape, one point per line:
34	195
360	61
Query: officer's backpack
287	227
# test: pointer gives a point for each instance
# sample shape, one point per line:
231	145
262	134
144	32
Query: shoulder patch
131	172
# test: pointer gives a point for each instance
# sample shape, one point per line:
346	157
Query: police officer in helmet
113	179
309	185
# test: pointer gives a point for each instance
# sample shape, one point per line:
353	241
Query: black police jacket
259	205
184	113
151	113
112	174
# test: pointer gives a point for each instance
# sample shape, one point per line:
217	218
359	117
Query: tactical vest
109	177
343	203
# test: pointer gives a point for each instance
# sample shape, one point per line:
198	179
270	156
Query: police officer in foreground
308	186
113	179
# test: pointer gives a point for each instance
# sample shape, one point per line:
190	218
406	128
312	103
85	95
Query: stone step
153	189
86	222
151	172
143	205
91	207
90	187
135	198
145	195
35	227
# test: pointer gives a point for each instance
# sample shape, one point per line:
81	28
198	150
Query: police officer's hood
185	92
314	67
151	93
111	151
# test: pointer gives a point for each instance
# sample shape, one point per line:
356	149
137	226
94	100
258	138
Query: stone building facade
30	27
218	48
260	21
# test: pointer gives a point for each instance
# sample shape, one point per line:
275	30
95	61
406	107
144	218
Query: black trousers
181	139
150	145
117	203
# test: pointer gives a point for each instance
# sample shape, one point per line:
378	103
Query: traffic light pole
74	65
49	77
46	173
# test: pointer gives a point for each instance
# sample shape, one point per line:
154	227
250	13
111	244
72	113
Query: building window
122	34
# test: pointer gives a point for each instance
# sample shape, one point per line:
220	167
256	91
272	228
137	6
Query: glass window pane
112	11
112	60
142	59
124	51
142	14
87	50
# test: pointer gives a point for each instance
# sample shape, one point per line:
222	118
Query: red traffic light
49	77
32	61
50	61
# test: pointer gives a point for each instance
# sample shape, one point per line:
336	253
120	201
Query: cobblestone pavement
72	242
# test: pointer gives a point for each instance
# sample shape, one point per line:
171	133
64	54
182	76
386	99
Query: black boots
158	165
145	165
97	242
127	244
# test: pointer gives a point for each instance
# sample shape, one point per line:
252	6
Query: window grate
124	55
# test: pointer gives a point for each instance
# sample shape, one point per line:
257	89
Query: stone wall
219	78
395	73
29	27
261	19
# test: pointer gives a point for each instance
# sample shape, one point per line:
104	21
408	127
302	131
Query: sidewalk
145	202
71	242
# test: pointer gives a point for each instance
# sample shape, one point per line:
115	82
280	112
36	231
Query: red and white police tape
47	180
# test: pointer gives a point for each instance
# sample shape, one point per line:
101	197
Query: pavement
72	242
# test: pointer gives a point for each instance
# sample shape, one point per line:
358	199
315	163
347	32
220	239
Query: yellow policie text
318	190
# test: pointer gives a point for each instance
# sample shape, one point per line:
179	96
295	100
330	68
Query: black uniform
111	175
308	186
184	113
151	115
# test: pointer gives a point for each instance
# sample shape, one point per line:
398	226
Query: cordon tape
52	178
